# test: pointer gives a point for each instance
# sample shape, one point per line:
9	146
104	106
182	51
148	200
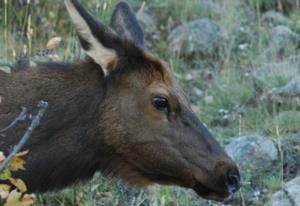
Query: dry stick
279	5
35	123
21	117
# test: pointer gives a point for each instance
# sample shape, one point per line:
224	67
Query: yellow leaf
13	199
16	164
54	42
4	187
4	190
27	200
19	184
2	157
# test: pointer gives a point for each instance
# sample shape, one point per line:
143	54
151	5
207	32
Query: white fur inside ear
100	54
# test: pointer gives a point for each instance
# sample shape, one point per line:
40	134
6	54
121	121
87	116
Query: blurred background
237	60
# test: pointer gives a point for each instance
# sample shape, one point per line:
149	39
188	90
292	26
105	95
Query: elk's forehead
163	82
168	87
159	88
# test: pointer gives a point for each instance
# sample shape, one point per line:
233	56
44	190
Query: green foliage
272	182
260	3
231	90
288	121
295	23
183	10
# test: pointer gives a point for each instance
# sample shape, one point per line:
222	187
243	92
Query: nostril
233	182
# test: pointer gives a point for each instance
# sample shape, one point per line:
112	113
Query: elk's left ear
99	41
125	23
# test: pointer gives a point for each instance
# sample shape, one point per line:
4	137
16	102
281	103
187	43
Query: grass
231	104
272	182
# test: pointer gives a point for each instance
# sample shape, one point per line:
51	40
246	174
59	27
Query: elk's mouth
209	193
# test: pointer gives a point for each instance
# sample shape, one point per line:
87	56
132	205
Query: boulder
290	146
289	195
253	153
291	89
202	36
275	18
283	41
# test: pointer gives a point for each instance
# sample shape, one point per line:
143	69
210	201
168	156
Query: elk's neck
67	146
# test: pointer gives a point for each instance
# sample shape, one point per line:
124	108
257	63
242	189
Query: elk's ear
99	41
125	23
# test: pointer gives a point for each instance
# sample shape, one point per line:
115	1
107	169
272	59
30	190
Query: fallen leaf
4	187
27	200
4	194
2	157
54	42
5	69
4	190
19	184
16	164
13	199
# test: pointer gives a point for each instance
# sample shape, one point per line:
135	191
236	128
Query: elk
119	111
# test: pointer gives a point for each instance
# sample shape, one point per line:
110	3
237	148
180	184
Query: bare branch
127	197
21	117
35	123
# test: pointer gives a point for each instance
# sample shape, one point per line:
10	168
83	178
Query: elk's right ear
99	41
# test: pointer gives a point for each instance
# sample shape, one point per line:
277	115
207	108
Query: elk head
145	117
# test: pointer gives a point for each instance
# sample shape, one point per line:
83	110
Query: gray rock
289	196
290	145
198	92
202	36
275	18
292	88
283	41
146	21
253	153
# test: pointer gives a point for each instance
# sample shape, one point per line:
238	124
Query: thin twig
132	198
21	117
35	123
122	192
127	197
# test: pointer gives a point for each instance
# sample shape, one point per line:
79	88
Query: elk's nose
233	181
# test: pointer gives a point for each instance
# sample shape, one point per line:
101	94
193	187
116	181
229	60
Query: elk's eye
161	103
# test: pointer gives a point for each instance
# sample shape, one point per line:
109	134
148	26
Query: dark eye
161	103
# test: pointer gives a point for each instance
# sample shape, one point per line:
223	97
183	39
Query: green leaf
5	175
